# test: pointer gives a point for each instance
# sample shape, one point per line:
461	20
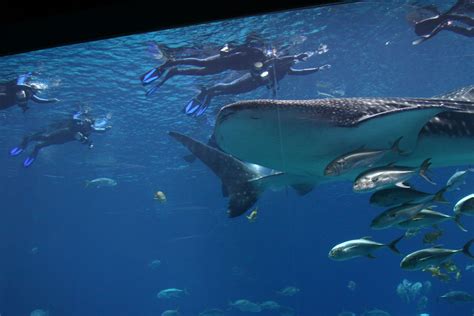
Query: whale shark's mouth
303	136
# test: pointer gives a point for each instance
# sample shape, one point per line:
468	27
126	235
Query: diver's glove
324	67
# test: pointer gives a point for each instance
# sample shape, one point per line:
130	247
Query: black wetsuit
12	93
56	134
271	73
449	21
239	58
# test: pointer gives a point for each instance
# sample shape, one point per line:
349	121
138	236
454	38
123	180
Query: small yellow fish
436	273
160	196
457	277
253	215
432	237
450	267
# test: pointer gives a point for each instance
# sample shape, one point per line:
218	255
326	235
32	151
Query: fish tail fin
424	170
396	146
457	220
86	183
439	196
186	291
393	244
465	249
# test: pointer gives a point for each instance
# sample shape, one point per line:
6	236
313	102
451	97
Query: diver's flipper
28	161
151	90
16	151
192	106
201	109
151	76
23	78
197	106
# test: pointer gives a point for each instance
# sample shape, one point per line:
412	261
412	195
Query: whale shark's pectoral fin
240	183
303	188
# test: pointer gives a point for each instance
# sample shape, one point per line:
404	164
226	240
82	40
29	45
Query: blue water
93	246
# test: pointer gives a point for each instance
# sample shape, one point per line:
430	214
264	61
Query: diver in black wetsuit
231	57
19	92
79	128
429	27
264	74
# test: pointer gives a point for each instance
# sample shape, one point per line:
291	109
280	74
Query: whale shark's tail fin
238	180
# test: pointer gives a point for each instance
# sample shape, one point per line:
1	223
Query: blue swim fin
203	107
16	151
151	91
151	76
28	161
23	78
192	106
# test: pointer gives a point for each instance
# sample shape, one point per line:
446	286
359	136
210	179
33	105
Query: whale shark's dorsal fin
461	94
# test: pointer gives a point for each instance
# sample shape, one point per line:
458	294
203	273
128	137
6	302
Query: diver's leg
468	32
32	157
463	19
156	73
24	143
175	71
198	62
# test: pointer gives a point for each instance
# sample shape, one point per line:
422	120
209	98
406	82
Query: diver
455	20
230	57
19	92
78	128
264	74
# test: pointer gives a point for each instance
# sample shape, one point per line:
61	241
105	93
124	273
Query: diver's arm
83	139
306	71
37	99
102	130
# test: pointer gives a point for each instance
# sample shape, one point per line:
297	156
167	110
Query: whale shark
301	137
242	182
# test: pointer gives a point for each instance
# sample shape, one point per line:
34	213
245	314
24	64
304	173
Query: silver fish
426	218
289	291
397	196
457	179
363	247
212	312
464	206
430	257
246	306
101	182
396	215
170	312
457	297
171	293
359	158
388	176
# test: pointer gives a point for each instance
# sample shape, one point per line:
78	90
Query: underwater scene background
72	249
